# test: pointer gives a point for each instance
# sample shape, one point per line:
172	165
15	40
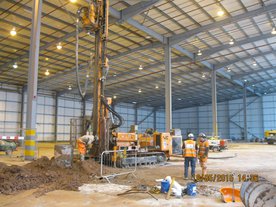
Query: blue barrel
191	189
165	185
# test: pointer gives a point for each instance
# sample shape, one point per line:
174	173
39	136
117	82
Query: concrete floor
251	159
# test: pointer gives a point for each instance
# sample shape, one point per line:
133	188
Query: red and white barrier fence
11	137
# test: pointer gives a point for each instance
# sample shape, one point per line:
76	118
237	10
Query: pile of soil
46	175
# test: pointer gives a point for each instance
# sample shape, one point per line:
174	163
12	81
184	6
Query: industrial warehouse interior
137	103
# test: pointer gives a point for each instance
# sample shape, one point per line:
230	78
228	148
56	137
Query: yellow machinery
270	136
145	140
125	140
94	21
163	142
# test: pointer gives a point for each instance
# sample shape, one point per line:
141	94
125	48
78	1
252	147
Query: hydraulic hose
82	93
120	118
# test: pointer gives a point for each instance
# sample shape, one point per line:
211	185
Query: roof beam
252	72
128	14
185	35
217	49
261	81
136	9
223	65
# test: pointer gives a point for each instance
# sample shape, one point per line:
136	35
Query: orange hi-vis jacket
190	148
202	151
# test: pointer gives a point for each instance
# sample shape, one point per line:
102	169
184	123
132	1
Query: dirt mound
46	175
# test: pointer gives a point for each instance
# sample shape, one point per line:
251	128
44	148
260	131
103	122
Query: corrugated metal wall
10	105
68	107
230	118
261	116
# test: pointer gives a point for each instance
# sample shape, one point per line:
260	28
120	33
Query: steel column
30	140
22	111
154	120
214	103
135	115
168	87
56	116
245	113
84	107
228	120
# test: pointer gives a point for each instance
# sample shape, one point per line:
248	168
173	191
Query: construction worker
83	143
189	153
203	152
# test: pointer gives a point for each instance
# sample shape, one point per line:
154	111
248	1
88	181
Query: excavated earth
46	175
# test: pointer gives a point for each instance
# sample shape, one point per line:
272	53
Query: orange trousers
81	147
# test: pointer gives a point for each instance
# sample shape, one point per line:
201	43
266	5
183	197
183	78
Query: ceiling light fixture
273	31
254	63
87	75
245	80
69	87
46	59
203	75
47	72
140	91
73	1
140	67
114	75
134	102
59	46
156	86
114	97
199	52
220	13
15	65
179	99
228	69
231	42
179	81
13	32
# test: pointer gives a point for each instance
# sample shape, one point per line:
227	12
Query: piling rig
93	20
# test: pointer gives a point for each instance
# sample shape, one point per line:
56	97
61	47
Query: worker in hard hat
83	143
189	153
203	152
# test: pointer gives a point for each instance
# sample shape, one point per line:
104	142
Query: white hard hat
202	135
191	135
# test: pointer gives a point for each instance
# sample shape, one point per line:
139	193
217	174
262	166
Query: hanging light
114	97
15	65
47	72
87	75
228	69
69	87
59	46
220	13
156	86
140	67
199	52
140	91
231	42
254	63
273	31
46	59
114	75
203	75
179	81
179	99
13	32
